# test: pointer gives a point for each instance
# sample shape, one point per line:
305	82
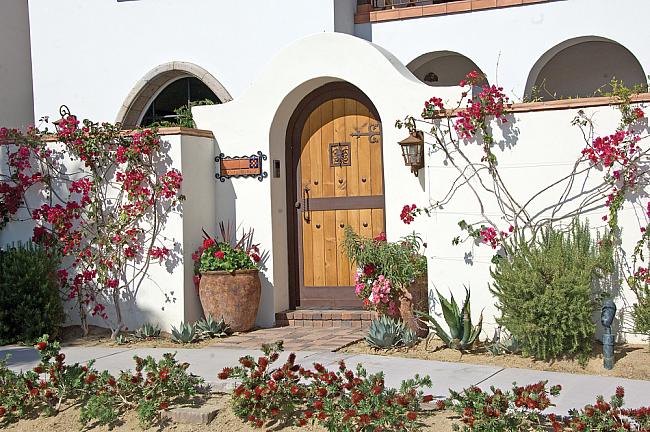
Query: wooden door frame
297	121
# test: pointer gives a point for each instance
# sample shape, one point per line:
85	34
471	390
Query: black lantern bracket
241	166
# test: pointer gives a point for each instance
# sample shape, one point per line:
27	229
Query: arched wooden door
338	181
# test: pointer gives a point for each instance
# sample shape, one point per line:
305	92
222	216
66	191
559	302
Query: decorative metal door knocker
373	134
340	154
241	166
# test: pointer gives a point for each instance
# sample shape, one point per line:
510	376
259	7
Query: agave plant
147	331
462	334
186	333
386	332
210	328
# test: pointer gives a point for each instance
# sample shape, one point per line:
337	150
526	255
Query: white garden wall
167	295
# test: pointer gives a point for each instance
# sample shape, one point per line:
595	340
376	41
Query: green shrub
30	303
641	311
545	291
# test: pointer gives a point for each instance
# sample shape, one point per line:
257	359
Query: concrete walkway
577	390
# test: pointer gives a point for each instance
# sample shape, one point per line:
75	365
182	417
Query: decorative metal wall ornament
373	134
241	166
340	154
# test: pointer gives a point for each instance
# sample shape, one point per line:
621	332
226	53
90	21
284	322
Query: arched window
175	95
583	67
442	68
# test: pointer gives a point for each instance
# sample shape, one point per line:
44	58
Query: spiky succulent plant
147	331
186	333
210	328
386	332
462	334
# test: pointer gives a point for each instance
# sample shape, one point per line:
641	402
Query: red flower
163	374
163	405
3	411
219	255
41	346
208	243
408	213
620	392
381	237
369	269
427	398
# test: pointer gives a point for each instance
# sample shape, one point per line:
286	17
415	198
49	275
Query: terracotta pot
234	296
415	298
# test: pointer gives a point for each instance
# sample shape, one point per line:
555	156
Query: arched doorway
334	179
173	77
583	67
442	68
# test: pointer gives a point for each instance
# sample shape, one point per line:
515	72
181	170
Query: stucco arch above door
157	79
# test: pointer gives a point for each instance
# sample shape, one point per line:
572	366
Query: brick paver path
296	338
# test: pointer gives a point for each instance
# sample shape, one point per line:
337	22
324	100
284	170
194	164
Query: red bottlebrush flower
38	369
259	423
274	356
322	415
411	415
163	374
377	389
263	362
225	373
294	390
308	414
3	411
319	367
219	255
620	392
246	362
318	405
302	422
427	398
34	392
275	412
356	398
112	382
322	391
91	378
41	346
60	357
163	405
440	404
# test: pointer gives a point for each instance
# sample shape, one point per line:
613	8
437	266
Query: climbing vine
99	197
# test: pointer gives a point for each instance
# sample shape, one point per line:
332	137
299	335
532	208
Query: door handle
305	205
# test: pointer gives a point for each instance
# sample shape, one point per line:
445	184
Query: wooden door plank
327	135
354	221
307	253
342	263
376	166
351	124
330	247
305	156
365	217
364	151
318	248
377	222
340	178
316	185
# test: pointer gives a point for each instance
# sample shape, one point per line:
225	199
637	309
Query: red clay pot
415	298
234	296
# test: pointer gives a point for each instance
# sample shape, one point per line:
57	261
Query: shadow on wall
582	67
442	68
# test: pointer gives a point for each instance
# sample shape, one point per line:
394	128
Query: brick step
324	318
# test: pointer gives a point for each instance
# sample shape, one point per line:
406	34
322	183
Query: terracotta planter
415	298
234	296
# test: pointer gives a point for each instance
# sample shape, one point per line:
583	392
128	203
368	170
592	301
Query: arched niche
442	68
156	81
583	67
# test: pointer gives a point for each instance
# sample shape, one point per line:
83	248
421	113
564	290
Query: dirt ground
97	336
632	361
68	420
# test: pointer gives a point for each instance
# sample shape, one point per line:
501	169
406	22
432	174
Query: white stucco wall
281	87
16	101
167	295
506	42
89	55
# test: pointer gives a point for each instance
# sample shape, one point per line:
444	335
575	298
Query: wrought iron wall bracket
241	166
373	134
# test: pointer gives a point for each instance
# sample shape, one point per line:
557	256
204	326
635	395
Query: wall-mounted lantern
413	151
64	112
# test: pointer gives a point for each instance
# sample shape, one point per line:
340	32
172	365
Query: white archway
579	67
442	68
156	80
